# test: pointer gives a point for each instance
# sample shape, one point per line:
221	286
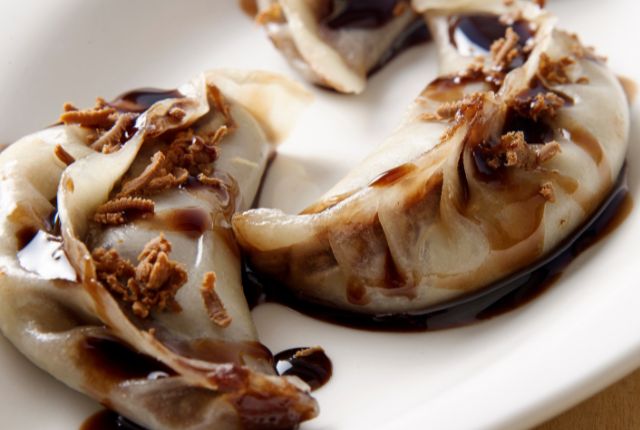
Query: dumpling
491	168
337	43
119	272
465	29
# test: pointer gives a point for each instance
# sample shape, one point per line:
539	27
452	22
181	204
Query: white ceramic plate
510	372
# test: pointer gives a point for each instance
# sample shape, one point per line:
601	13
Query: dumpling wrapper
424	218
342	57
171	370
441	15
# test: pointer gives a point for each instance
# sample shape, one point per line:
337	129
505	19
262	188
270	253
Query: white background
510	372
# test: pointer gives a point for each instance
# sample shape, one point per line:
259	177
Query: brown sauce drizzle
474	34
218	351
360	13
588	142
192	222
495	299
108	420
111	357
535	131
309	364
270	159
25	235
140	100
259	411
392	176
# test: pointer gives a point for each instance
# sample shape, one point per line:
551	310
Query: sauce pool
108	420
309	364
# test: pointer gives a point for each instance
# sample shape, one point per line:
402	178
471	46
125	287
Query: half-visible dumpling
492	167
337	43
120	275
465	30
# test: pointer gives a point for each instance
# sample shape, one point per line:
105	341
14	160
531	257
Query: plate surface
510	372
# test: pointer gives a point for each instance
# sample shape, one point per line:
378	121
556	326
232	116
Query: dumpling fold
495	163
119	272
338	43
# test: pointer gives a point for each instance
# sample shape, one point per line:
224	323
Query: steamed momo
120	276
337	43
494	164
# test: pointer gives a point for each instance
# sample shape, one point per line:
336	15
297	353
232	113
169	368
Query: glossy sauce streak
140	100
108	420
193	222
392	176
218	351
535	131
118	362
536	86
25	235
587	142
270	159
500	297
474	34
309	364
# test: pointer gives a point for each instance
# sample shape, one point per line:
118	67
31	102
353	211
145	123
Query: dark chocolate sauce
498	298
360	13
309	364
539	131
192	222
374	14
108	420
140	100
482	169
519	118
270	159
218	351
392	176
25	235
116	362
587	141
474	34
260	411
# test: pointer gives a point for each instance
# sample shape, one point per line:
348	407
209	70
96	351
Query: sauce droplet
474	34
142	99
309	364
